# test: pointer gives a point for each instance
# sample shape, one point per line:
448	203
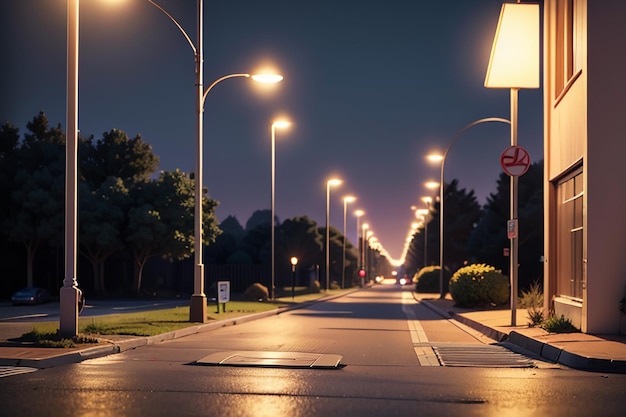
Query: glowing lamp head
267	78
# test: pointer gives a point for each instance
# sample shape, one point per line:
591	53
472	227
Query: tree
36	205
462	212
110	166
102	220
489	238
131	160
160	222
300	237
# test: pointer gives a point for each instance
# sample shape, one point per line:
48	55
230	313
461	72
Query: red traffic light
362	273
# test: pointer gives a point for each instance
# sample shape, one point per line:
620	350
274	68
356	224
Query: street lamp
197	307
423	214
69	294
294	262
358	214
281	124
347	199
441	185
330	183
514	64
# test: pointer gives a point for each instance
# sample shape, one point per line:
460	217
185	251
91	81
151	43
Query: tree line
475	234
128	215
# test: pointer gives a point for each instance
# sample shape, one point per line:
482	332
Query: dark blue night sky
371	87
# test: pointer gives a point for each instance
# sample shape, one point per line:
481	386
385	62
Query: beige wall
606	155
588	124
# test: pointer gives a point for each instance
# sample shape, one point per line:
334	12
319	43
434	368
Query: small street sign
515	161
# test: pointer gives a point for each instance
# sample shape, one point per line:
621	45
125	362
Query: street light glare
431	184
349	199
281	124
334	182
267	78
434	157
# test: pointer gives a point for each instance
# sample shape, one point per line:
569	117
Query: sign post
515	161
223	294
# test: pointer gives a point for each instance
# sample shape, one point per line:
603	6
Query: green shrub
559	325
427	280
257	292
315	287
479	284
532	301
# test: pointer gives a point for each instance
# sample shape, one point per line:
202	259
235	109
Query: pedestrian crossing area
15	370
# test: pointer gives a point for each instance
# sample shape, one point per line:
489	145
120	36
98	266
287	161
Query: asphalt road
382	335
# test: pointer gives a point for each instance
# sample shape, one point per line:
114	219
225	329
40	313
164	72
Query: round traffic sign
515	161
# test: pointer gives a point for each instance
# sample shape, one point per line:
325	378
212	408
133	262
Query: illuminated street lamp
422	214
294	262
281	124
197	307
334	182
69	293
514	64
347	199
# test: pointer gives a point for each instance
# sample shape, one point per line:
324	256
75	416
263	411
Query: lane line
421	346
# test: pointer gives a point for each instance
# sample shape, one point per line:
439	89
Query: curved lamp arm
225	77
166	13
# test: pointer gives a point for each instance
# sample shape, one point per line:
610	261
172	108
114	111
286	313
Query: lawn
154	322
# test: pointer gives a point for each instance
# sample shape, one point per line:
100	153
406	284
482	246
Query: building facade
584	81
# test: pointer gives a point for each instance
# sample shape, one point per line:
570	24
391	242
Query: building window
568	52
570	235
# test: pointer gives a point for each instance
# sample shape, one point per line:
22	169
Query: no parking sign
515	161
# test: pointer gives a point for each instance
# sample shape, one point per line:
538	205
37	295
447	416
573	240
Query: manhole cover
272	359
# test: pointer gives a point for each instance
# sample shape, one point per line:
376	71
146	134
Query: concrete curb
563	357
541	349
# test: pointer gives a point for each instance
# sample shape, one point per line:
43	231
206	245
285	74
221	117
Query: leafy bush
559	325
532	301
427	279
315	287
257	291
479	284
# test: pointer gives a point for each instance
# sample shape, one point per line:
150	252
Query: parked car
30	295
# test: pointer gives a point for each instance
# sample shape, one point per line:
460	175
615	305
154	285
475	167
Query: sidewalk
598	353
576	350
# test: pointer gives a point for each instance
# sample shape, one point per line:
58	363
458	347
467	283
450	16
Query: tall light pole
442	158
281	124
358	214
330	183
197	307
69	293
423	215
518	30
347	199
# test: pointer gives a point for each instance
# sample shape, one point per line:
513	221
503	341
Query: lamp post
422	214
277	124
330	183
197	307
442	158
294	262
358	214
347	199
69	295
518	30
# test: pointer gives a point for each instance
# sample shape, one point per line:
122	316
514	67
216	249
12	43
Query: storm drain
486	356
272	359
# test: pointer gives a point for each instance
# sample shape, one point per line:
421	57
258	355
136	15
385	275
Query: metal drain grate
272	359
486	356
